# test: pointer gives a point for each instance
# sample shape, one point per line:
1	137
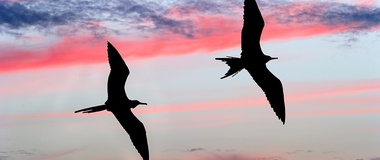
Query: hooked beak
143	103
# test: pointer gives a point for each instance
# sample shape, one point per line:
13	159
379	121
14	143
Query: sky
53	61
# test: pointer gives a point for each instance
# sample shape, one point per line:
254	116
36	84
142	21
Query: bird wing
135	129
118	75
272	88
252	28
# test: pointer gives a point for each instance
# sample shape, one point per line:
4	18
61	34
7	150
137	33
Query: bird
120	105
254	60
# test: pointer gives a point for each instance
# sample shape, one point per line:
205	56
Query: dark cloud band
75	15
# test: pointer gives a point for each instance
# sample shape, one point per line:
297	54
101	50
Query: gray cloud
196	149
201	149
15	16
331	14
4	157
354	16
123	17
15	154
237	157
226	150
74	16
207	7
162	23
298	151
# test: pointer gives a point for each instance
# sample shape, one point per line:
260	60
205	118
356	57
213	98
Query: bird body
254	60
120	105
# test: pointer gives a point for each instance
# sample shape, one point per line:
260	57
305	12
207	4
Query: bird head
135	103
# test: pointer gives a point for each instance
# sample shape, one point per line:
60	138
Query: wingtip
77	111
110	46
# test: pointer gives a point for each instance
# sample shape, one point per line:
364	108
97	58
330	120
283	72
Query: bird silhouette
254	60
120	105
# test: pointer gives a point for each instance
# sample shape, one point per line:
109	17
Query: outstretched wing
252	29
135	129
118	75
272	88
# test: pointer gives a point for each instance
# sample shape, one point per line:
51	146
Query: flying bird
120	105
254	60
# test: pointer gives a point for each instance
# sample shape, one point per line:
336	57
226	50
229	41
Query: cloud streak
58	155
304	99
195	149
159	29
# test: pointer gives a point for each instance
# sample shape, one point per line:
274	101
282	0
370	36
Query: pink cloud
32	38
337	112
49	115
223	34
282	32
365	2
151	110
339	94
80	50
72	51
334	92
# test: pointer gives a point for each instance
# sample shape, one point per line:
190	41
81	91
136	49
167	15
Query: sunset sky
53	61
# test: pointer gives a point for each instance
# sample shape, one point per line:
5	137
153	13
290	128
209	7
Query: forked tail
236	65
92	109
